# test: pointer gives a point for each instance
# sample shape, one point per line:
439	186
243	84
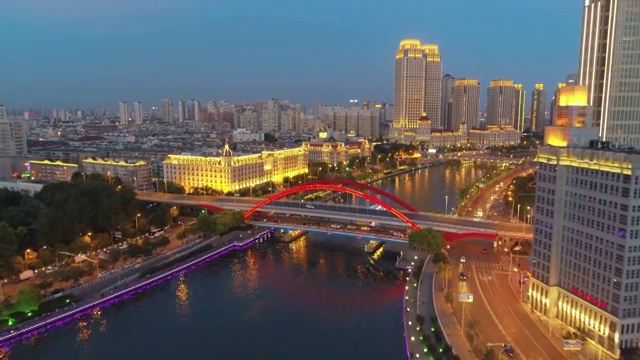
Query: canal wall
76	311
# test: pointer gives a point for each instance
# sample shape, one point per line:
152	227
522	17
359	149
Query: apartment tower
520	95
124	112
167	110
465	106
538	108
138	112
609	67
447	102
500	103
417	88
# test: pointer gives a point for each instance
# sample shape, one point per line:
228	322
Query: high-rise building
608	66
417	88
519	99
538	108
167	110
182	111
446	102
500	103
552	106
138	112
196	109
13	135
465	108
124	112
586	232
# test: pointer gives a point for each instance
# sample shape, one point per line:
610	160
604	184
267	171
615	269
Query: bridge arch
331	187
480	235
359	185
211	207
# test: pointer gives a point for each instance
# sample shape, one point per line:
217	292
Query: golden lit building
229	172
538	108
443	138
336	152
572	118
45	170
134	174
494	136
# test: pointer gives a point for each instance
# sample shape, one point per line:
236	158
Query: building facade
229	172
608	66
465	108
124	112
336	152
446	104
13	136
520	95
494	136
538	108
500	103
138	112
167	110
45	170
136	174
417	87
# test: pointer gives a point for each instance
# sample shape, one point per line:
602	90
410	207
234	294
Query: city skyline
309	72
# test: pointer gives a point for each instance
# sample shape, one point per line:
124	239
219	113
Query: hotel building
134	174
336	152
417	89
229	172
586	250
494	136
609	67
46	170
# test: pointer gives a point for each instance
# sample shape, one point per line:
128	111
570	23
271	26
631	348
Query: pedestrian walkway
492	265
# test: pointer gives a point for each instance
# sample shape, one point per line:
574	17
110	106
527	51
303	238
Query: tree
8	248
269	137
28	298
206	224
161	217
427	239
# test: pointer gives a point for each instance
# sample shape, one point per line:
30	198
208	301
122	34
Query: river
320	297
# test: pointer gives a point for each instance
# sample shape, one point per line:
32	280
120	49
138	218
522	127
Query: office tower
608	66
552	105
196	108
124	112
138	112
586	236
465	108
519	98
182	111
538	108
167	110
500	103
13	135
417	88
446	94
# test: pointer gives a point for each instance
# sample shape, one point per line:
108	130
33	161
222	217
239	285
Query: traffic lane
489	330
525	335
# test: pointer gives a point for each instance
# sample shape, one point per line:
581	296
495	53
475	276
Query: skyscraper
167	110
552	105
196	108
538	108
138	112
500	103
417	88
124	112
520	96
182	111
446	102
608	66
465	108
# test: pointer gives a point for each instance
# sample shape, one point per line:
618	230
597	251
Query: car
365	228
508	350
463	259
308	206
484	251
351	227
462	276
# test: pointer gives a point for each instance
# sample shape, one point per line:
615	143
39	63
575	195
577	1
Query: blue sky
94	53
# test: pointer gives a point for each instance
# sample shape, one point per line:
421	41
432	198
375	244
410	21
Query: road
336	211
496	307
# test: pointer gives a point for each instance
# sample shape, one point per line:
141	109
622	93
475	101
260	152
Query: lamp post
26	258
137	216
135	183
84	178
446	204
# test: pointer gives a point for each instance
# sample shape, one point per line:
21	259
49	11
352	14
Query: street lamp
137	216
446	204
26	258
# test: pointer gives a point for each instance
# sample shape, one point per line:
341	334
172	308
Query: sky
95	53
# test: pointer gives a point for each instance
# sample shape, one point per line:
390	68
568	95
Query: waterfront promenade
222	246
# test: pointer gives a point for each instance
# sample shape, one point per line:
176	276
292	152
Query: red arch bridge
398	215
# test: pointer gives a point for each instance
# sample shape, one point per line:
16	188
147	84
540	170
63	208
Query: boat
373	246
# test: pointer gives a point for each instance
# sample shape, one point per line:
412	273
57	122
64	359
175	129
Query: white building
124	112
138	112
242	135
13	135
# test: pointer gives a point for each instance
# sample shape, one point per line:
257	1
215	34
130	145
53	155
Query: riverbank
131	287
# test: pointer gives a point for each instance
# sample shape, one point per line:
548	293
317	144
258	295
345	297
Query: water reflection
182	296
4	353
245	273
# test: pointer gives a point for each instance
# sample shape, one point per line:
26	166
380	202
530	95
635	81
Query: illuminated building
465	107
500	103
336	152
134	174
229	172
552	106
519	99
608	66
51	170
446	138
538	108
417	89
494	136
585	261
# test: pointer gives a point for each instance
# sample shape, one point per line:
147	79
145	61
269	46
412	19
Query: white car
463	259
309	206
